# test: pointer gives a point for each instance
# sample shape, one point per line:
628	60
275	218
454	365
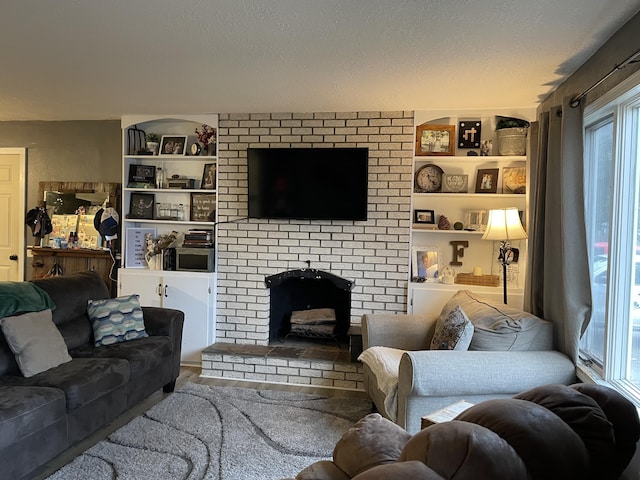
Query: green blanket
21	297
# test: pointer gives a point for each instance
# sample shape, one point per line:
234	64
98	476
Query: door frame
21	203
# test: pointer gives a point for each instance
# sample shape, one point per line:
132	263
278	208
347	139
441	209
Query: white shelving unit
430	295
192	292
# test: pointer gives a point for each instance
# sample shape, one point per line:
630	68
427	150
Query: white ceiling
100	59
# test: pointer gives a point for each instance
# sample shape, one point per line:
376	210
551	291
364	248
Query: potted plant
512	135
207	137
153	142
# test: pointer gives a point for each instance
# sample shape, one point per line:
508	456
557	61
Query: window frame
621	105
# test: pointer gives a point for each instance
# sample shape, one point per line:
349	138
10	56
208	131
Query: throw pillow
35	341
454	332
116	320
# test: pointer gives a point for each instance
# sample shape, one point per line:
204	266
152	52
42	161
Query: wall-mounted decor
487	180
203	207
435	139
424	217
209	177
469	133
141	205
514	180
173	145
455	183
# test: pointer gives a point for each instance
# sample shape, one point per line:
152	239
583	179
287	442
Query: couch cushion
82	380
71	293
372	441
35	341
454	332
116	320
497	326
143	354
25	410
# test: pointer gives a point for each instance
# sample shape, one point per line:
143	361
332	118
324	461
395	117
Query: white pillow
35	341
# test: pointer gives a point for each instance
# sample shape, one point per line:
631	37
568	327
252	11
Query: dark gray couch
43	415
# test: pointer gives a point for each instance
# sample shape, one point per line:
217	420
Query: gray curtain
558	287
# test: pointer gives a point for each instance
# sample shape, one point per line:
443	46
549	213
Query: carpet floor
221	433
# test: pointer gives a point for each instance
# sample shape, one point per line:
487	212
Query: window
612	191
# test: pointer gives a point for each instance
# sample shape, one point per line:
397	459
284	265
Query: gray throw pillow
35	341
453	332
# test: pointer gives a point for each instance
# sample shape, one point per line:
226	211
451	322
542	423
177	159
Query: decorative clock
428	179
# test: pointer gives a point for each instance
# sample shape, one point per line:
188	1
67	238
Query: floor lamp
504	225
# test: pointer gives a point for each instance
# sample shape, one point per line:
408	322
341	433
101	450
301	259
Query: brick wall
373	254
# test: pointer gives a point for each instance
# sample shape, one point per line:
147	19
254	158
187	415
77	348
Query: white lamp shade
504	224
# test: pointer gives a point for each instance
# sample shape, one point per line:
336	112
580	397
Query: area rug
221	433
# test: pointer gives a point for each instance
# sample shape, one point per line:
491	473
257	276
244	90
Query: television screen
308	183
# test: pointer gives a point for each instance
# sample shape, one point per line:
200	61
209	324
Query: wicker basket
471	279
512	141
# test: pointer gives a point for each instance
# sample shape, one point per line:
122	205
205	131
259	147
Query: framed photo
514	180
141	205
424	216
425	263
469	133
455	183
141	174
487	180
209	177
173	145
435	139
203	207
135	239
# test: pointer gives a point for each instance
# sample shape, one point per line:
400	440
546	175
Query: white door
146	283
12	213
192	294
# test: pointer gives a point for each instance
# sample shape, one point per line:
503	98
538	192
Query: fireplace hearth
309	303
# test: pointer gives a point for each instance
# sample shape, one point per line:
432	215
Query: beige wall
73	151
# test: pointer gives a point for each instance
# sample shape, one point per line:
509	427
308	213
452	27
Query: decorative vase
154	262
211	149
153	147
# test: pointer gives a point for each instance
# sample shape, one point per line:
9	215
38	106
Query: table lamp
504	225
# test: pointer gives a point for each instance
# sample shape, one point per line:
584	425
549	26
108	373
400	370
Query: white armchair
428	380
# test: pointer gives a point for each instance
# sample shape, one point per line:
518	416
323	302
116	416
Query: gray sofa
44	414
430	379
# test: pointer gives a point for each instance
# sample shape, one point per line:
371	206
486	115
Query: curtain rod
575	101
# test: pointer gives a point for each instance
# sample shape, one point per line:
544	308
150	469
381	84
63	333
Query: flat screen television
308	183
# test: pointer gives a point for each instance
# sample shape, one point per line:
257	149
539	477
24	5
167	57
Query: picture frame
487	180
203	207
424	217
435	139
208	177
135	239
469	133
514	180
425	263
142	205
455	183
173	145
141	175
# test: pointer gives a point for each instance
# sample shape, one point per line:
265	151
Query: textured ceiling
100	59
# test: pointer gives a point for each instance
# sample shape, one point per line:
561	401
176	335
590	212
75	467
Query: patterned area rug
221	433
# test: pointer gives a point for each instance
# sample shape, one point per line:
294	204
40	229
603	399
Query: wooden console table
72	260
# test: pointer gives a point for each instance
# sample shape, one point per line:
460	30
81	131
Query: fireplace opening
310	304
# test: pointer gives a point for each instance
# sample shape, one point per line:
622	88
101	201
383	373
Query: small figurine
486	147
443	223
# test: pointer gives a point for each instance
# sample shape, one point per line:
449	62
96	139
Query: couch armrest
164	322
444	373
406	332
473	376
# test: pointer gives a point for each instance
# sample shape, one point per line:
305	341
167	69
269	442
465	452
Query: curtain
558	287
